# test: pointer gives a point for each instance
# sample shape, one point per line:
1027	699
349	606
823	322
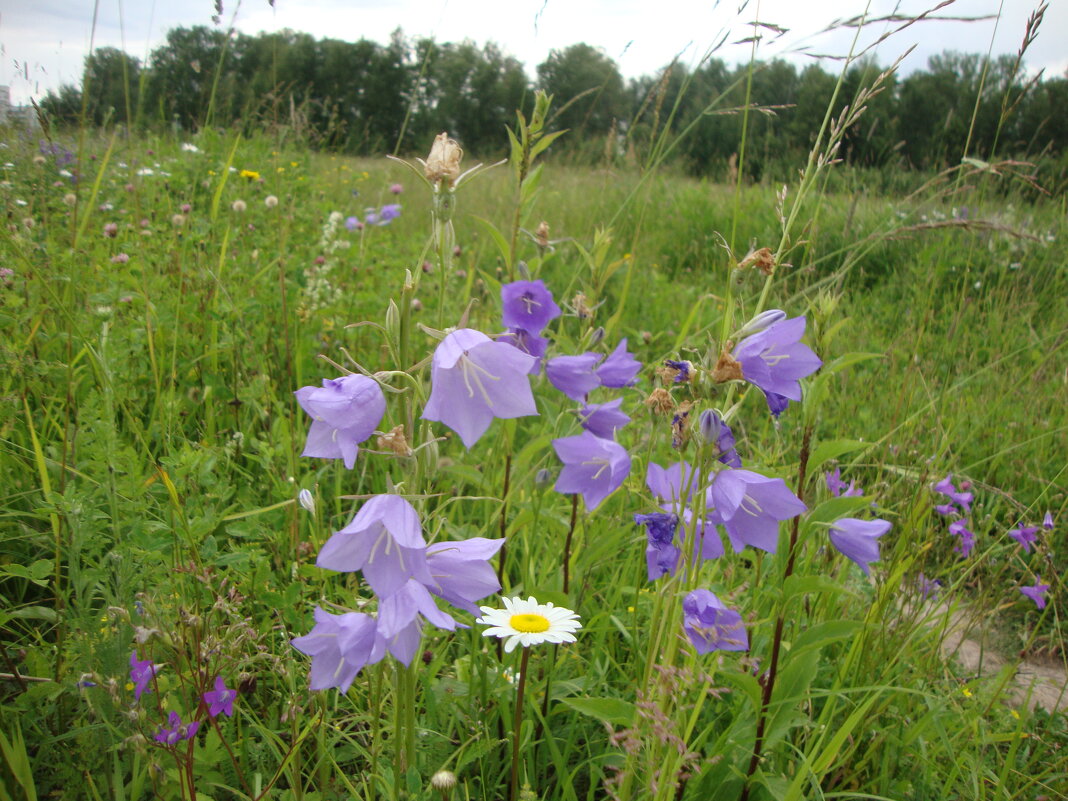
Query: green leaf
496	236
848	360
832	449
544	143
827	632
834	508
609	710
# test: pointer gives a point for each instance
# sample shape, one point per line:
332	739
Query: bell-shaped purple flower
221	699
345	411
1047	521
474	379
962	499
175	731
839	488
710	625
593	467
575	376
141	673
399	622
750	507
1036	592
620	369
525	341
603	419
673	486
528	305
777	404
858	539
718	434
1024	535
661	554
775	359
959	528
460	571
760	322
385	541
340	647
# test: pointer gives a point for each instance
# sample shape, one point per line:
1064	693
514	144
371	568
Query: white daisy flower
529	623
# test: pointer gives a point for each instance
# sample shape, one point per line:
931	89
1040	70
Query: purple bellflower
857	539
673	486
528	305
526	342
777	404
962	499
141	673
620	369
398	619
345	411
661	554
221	699
839	488
593	467
474	379
946	509
750	506
385	541
927	588
775	359
717	433
176	731
710	625
340	647
1047	521
1024	535
575	376
959	528
1036	592
460	572
603	419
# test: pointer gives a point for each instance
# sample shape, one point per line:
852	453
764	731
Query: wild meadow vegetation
328	477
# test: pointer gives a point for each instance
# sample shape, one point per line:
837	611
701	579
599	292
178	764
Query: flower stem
567	542
513	793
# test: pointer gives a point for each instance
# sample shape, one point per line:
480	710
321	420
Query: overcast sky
43	42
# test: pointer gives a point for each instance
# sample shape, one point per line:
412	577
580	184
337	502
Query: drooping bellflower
1025	535
528	305
345	411
959	528
620	369
176	731
858	539
340	647
1036	592
221	699
603	419
839	488
751	506
593	467
962	499
141	673
460	572
710	625
575	376
399	623
474	379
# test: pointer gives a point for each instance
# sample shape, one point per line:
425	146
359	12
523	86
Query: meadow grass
150	446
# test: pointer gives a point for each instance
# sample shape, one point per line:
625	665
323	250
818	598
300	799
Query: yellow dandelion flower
252	175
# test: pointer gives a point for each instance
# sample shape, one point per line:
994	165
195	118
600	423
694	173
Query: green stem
513	793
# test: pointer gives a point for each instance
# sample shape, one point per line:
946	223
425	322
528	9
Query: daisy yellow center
529	622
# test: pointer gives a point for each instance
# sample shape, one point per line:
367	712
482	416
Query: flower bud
443	163
760	322
443	780
709	424
597	335
521	268
541	234
306	500
393	321
542	478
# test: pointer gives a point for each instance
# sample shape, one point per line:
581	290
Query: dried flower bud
394	441
541	234
763	260
660	401
38	160
647	337
727	369
581	306
443	163
521	268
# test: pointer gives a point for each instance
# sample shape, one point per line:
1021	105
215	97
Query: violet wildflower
620	369
760	322
856	539
661	554
141	673
775	359
340	647
839	488
177	730
962	499
574	375
474	379
777	404
221	699
460	571
385	541
603	419
710	625
673	486
526	342
928	589
683	370
1047	521
1036	592
1024	535
718	434
345	411
946	509
528	305
353	224
593	467
959	528
388	213
399	623
751	506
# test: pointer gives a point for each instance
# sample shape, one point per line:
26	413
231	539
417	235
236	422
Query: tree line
368	98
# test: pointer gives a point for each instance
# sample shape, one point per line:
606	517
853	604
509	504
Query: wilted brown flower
660	401
443	163
763	260
727	368
395	441
541	234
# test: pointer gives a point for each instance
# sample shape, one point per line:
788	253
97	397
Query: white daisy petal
524	621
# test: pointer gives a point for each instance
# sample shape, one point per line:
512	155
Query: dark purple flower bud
543	477
777	404
620	369
775	359
345	412
718	434
661	555
474	379
603	419
1036	592
710	625
593	467
1047	521
857	539
574	375
528	305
